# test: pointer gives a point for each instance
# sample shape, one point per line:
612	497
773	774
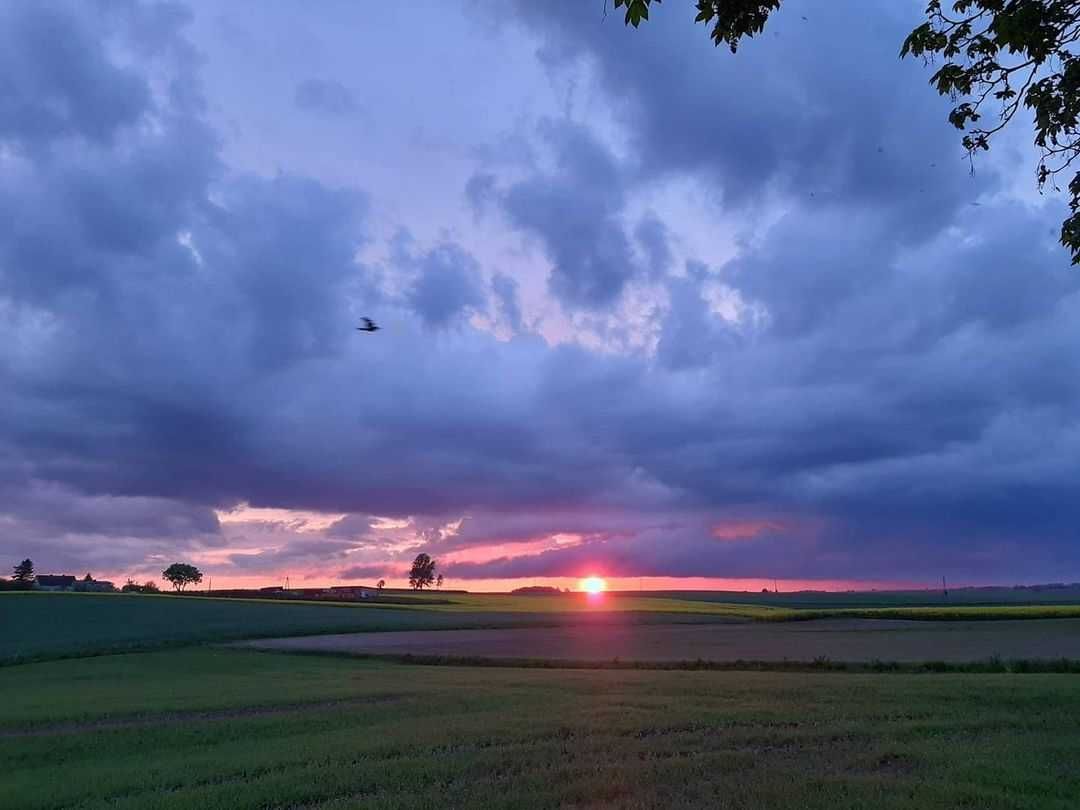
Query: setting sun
593	585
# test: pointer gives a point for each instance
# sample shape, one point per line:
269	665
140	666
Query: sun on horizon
593	585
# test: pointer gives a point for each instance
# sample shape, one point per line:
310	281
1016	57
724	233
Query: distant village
87	584
66	582
182	575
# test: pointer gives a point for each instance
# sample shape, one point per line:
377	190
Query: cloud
505	290
49	510
325	96
881	374
58	80
366	572
447	287
652	234
860	125
574	211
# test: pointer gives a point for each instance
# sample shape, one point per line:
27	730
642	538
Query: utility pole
944	587
775	587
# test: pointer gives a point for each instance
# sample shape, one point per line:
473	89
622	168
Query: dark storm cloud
325	96
818	107
351	526
692	336
507	300
58	81
448	285
896	392
163	302
574	211
691	551
49	510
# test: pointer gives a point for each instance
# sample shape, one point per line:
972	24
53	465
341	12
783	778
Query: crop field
750	606
214	728
986	596
43	625
231	727
835	640
47	625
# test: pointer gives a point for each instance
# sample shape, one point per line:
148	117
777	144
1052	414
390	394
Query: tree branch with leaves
1000	57
1007	56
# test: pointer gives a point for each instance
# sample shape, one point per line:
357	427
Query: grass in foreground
229	729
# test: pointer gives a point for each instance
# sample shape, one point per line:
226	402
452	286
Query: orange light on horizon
592	585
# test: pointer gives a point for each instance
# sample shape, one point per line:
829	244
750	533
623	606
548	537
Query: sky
650	310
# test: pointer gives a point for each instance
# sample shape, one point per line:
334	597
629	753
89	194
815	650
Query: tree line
422	575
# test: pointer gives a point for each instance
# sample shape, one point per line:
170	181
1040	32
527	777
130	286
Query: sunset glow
593	585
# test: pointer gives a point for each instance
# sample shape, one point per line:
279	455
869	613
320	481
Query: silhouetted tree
181	575
24	571
1003	54
422	573
380	584
438	581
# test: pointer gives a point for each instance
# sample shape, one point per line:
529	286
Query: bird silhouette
369	326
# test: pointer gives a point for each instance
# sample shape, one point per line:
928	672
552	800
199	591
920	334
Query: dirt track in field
848	640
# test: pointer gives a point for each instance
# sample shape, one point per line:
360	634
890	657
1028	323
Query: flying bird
369	326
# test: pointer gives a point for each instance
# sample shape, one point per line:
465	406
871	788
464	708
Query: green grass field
48	625
202	728
988	596
765	608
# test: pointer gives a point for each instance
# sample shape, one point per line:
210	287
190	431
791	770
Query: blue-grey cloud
505	290
371	573
574	211
859	125
652	234
58	81
325	96
889	387
447	286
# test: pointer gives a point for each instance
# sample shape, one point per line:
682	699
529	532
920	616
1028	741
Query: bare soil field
849	640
